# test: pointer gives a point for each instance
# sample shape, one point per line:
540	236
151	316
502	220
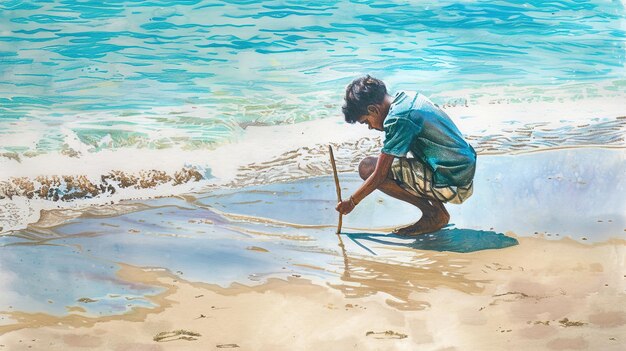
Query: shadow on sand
453	240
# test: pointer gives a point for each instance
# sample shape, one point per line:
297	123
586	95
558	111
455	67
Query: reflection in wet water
402	281
364	276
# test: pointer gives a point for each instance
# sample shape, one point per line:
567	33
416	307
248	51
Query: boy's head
365	102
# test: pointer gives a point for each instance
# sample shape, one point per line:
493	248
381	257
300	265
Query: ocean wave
306	161
71	187
83	174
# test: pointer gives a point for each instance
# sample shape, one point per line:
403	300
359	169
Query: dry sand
539	295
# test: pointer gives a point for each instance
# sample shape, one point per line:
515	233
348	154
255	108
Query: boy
443	163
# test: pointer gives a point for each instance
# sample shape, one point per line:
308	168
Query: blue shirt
415	124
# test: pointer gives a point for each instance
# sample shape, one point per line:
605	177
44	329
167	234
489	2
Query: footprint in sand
176	335
389	334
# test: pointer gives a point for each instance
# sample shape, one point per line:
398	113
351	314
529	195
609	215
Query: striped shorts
417	178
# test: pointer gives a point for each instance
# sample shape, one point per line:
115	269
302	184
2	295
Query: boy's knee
367	166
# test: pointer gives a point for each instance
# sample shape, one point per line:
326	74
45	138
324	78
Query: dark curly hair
361	93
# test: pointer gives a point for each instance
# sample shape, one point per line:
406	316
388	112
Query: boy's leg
434	214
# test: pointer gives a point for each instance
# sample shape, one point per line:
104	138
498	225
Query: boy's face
374	118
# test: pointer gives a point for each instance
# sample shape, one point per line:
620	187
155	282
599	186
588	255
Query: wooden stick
332	162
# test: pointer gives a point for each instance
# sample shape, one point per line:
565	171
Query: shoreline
527	263
224	228
491	178
20	211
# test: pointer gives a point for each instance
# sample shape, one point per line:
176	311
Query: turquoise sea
195	73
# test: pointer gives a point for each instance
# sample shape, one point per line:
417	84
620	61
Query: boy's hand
345	207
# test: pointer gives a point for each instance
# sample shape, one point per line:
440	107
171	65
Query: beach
532	261
165	181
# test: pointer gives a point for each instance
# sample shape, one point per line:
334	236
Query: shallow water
517	193
279	230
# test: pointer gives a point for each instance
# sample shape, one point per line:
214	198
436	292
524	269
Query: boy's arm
383	165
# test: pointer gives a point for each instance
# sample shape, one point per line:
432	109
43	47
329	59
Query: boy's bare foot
427	224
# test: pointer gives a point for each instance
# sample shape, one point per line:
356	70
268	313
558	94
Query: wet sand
552	295
535	260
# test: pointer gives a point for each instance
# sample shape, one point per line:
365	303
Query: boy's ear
372	109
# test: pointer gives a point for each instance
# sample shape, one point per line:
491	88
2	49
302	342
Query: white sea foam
218	166
285	152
